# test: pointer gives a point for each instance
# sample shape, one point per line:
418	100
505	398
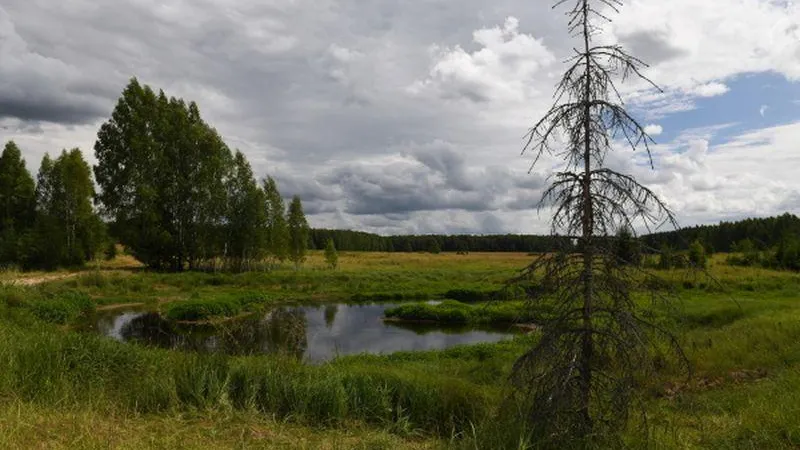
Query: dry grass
26	426
355	261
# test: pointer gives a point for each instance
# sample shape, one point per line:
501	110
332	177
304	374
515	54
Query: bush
111	251
13	297
787	255
665	258
697	254
745	254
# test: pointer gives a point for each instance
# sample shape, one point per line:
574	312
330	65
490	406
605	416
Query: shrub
697	254
111	250
787	255
745	254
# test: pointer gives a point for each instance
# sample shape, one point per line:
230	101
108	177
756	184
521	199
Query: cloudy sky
398	116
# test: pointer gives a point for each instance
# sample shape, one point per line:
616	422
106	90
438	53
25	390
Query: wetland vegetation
194	309
741	333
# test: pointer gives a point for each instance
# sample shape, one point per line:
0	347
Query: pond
313	333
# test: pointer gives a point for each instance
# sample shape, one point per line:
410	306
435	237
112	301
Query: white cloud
653	129
705	183
763	110
504	69
716	40
712	89
694	47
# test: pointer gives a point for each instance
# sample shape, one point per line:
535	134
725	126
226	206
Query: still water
313	333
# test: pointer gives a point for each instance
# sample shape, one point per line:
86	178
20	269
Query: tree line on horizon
723	237
349	240
764	233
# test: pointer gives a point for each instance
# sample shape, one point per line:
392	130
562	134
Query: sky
397	116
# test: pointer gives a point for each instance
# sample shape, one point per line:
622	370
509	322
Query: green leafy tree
298	232
17	203
433	246
697	254
666	258
331	256
111	250
626	248
787	253
162	172
745	253
247	218
69	231
277	229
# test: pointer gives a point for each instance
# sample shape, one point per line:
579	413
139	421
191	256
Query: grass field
61	389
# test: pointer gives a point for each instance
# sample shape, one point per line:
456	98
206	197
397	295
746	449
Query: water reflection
330	315
313	333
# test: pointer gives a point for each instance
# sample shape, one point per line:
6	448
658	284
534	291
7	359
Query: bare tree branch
597	345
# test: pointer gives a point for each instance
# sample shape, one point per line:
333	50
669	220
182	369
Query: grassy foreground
60	389
27	425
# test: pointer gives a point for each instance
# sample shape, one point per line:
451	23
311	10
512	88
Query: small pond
313	333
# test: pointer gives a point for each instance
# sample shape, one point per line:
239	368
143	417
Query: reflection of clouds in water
112	326
352	329
360	328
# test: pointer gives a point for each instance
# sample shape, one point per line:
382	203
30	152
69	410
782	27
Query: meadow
61	388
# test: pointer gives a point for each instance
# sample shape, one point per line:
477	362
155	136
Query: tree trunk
587	344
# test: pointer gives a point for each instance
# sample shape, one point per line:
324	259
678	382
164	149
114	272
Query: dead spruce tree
597	344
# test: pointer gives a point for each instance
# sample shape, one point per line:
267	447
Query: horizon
422	109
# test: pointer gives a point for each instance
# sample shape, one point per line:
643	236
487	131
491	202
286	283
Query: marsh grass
455	312
51	368
203	309
740	328
29	425
61	307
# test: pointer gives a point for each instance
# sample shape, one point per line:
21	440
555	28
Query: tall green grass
740	329
61	307
455	312
49	367
200	309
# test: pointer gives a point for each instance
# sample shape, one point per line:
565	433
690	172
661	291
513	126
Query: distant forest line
722	237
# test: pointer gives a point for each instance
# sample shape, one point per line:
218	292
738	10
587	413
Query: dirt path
34	280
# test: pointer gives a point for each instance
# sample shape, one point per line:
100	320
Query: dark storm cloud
434	177
652	47
49	109
401	188
36	86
